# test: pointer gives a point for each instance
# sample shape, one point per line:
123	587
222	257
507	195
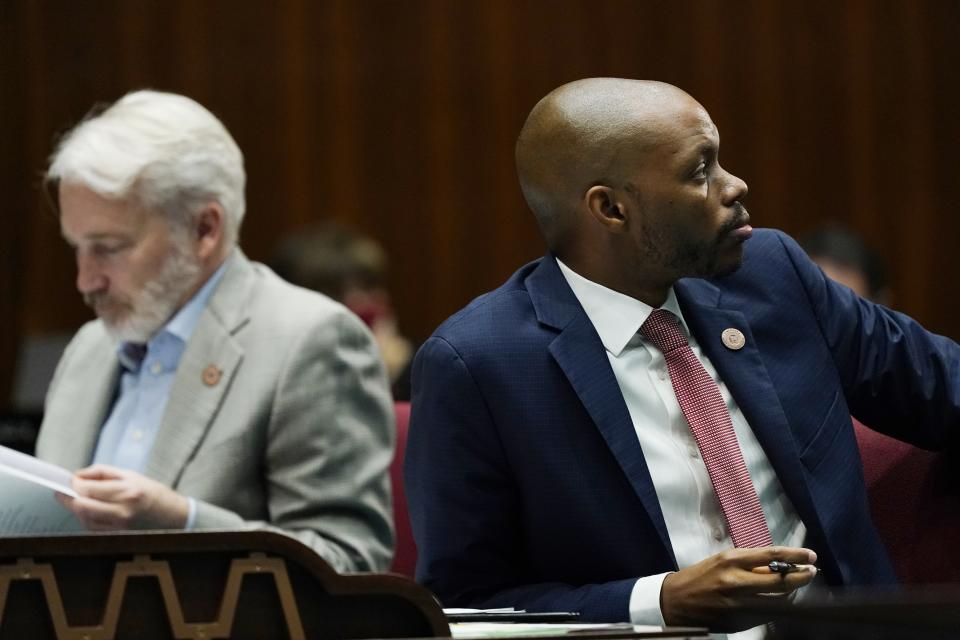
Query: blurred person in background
351	268
846	258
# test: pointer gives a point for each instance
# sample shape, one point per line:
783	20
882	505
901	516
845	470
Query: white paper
480	630
27	502
456	610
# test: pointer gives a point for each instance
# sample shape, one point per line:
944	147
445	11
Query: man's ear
602	203
209	230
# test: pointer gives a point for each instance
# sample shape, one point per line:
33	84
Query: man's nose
90	277
735	189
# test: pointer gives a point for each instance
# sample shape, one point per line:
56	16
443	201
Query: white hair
164	150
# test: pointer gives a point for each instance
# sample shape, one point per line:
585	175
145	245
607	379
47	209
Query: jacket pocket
835	420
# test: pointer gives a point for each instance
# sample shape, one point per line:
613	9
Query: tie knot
662	330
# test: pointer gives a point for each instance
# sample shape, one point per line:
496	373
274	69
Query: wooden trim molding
212	572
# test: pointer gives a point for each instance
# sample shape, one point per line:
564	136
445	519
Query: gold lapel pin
211	375
733	339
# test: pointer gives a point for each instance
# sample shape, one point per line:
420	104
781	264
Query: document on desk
480	630
509	614
27	502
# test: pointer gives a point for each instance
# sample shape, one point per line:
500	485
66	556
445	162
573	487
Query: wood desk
206	585
929	613
199	586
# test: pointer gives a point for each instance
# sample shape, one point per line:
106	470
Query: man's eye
701	172
107	250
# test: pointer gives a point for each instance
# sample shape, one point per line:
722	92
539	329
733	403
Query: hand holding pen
704	593
783	568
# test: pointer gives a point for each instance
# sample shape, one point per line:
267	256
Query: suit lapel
204	374
746	376
583	359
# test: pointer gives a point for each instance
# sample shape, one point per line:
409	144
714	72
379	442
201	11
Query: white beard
159	299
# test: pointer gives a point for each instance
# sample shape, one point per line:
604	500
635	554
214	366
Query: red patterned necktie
700	400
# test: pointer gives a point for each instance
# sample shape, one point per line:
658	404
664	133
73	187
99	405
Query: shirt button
137	434
692	451
156	368
662	374
717	534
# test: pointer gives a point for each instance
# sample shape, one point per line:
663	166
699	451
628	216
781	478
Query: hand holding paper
113	499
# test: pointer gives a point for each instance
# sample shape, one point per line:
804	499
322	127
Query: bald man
636	425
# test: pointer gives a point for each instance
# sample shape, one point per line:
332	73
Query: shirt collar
616	316
185	320
180	327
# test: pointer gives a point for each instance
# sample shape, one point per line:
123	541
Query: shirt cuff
645	601
191	515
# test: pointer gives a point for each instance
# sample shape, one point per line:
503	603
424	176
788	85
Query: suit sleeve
329	445
466	512
898	378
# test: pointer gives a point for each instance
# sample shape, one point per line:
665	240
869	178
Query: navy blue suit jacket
527	485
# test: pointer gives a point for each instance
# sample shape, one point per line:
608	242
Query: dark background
399	118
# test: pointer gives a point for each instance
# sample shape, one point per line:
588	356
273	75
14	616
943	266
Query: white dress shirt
691	511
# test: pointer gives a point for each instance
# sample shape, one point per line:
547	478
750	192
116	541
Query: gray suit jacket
297	433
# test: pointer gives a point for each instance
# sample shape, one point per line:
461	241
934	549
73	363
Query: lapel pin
733	339
211	375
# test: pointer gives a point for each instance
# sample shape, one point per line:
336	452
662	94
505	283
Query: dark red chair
915	502
405	557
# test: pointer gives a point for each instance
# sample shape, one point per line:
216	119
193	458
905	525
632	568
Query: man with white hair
209	393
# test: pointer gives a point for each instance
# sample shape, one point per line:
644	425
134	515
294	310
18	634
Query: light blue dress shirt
134	421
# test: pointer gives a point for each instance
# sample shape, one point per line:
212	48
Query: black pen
783	568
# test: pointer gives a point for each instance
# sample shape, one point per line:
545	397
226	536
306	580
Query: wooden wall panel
399	118
15	203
